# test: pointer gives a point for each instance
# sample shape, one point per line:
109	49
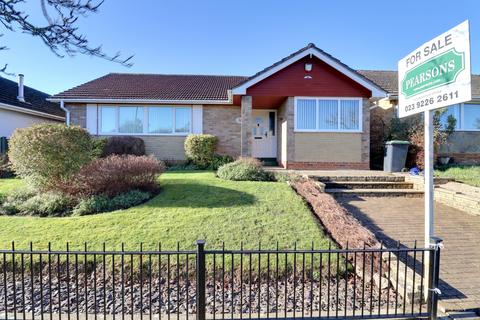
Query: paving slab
402	219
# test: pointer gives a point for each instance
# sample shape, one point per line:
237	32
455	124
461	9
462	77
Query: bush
115	175
97	204
220	160
98	147
200	149
14	199
244	169
123	145
46	204
45	154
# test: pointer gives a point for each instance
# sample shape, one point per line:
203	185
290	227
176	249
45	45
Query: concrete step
359	178
368	185
408	193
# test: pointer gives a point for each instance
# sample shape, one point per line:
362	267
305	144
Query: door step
368	185
359	178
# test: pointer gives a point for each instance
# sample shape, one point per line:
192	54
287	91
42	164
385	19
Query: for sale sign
437	74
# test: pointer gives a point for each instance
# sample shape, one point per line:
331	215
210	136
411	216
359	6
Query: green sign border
462	54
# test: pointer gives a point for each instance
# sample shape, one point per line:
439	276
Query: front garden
461	173
190	206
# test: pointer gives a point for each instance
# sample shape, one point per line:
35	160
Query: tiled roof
388	80
154	87
34	100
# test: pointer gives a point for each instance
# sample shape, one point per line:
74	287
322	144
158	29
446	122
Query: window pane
453	111
160	120
471	116
130	119
349	115
328	114
306	114
108	115
182	120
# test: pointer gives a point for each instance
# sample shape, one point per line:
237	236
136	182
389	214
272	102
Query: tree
60	32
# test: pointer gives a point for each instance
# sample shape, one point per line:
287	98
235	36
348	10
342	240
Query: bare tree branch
60	33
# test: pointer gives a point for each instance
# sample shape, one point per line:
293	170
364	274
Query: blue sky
239	37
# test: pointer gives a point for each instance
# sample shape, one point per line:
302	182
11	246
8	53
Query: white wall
10	120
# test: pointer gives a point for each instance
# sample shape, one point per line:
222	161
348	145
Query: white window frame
146	117
360	114
462	116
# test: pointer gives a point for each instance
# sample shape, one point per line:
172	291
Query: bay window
466	114
145	120
328	114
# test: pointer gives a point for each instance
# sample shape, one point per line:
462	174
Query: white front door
264	134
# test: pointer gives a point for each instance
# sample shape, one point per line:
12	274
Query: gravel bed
159	296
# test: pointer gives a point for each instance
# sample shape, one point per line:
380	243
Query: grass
191	206
466	174
9	184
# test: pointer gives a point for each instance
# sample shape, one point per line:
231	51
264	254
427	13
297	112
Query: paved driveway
393	219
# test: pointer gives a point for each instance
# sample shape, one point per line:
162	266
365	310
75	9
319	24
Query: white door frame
274	139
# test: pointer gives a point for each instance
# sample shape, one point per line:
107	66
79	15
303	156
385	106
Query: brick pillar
246	127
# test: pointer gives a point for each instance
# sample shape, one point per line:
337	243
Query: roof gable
312	50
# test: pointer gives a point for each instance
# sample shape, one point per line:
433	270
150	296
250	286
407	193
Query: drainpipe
67	113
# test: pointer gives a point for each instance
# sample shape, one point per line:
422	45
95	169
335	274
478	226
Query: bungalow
306	111
22	106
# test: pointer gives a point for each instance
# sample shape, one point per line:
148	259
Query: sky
237	37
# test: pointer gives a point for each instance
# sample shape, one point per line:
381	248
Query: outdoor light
308	67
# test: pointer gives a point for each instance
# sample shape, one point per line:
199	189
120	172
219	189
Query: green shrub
48	153
46	204
286	177
220	160
14	200
200	149
98	147
98	204
244	169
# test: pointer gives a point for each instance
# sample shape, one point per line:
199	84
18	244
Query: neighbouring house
22	106
463	146
306	111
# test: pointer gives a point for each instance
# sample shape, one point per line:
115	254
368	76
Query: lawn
466	174
191	205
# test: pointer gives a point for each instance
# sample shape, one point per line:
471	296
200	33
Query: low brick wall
326	165
463	158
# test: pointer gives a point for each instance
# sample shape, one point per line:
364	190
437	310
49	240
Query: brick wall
224	123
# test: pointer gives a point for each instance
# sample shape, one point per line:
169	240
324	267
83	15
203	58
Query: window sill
327	131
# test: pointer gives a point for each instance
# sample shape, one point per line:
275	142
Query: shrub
244	169
46	204
98	147
220	160
14	199
114	175
124	145
200	149
48	153
97	204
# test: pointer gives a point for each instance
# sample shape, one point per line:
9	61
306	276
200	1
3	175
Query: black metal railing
219	284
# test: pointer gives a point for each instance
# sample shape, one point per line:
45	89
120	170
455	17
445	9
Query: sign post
435	75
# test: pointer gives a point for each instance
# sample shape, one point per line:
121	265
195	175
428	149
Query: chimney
20	96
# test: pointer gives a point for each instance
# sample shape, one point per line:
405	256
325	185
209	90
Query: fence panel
218	284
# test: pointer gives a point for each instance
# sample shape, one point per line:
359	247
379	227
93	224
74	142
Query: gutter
135	101
32	112
67	112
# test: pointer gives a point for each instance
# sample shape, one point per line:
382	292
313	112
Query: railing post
434	276
200	280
